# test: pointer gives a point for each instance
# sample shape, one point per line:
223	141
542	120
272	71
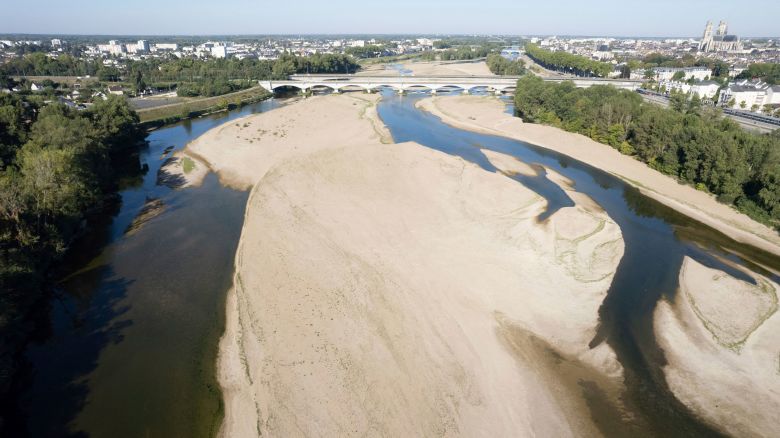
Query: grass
195	107
187	165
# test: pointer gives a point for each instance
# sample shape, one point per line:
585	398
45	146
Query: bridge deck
402	83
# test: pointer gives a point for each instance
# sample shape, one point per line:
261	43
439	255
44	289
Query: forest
58	166
694	144
567	62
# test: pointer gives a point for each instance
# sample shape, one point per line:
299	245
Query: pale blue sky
562	17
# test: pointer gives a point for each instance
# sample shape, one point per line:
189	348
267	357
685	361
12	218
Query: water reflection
128	345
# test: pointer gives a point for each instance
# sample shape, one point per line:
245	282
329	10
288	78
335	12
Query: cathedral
721	41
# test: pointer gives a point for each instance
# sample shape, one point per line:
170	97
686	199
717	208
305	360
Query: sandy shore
422	68
390	289
724	364
486	114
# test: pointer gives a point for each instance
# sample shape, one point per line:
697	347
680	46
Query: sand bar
720	339
390	289
487	115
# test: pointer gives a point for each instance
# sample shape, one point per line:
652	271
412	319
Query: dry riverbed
390	289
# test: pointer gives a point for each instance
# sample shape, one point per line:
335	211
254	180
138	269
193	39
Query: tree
625	71
678	76
678	102
138	81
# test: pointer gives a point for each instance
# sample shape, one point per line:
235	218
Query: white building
704	89
56	42
219	51
667	73
603	56
750	95
166	46
142	46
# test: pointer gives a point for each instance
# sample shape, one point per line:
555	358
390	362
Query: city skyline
666	18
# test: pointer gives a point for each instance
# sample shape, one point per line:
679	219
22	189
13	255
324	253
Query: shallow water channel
130	345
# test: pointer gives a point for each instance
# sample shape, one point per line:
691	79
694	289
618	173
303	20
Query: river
131	344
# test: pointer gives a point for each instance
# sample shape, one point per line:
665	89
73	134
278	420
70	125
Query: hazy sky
563	17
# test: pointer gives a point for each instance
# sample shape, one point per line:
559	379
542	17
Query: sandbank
390	289
719	337
487	115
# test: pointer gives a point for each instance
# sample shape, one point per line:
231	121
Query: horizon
601	18
441	35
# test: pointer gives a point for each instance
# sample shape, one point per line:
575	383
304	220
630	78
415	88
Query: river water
131	343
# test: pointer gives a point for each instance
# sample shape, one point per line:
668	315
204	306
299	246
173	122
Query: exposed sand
243	150
486	114
720	338
173	173
424	68
393	290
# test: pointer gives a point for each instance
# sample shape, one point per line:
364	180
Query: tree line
567	62
57	166
769	73
194	77
693	144
502	66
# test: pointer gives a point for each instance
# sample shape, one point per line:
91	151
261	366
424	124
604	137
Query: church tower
706	39
723	29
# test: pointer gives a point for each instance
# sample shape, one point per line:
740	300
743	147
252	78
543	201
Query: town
715	67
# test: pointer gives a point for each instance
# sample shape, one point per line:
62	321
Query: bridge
434	84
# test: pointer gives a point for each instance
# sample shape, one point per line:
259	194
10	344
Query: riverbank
159	116
487	115
378	287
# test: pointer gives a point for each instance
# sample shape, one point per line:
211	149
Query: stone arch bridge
402	84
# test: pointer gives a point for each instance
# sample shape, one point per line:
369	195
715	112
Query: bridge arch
289	88
346	88
323	87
